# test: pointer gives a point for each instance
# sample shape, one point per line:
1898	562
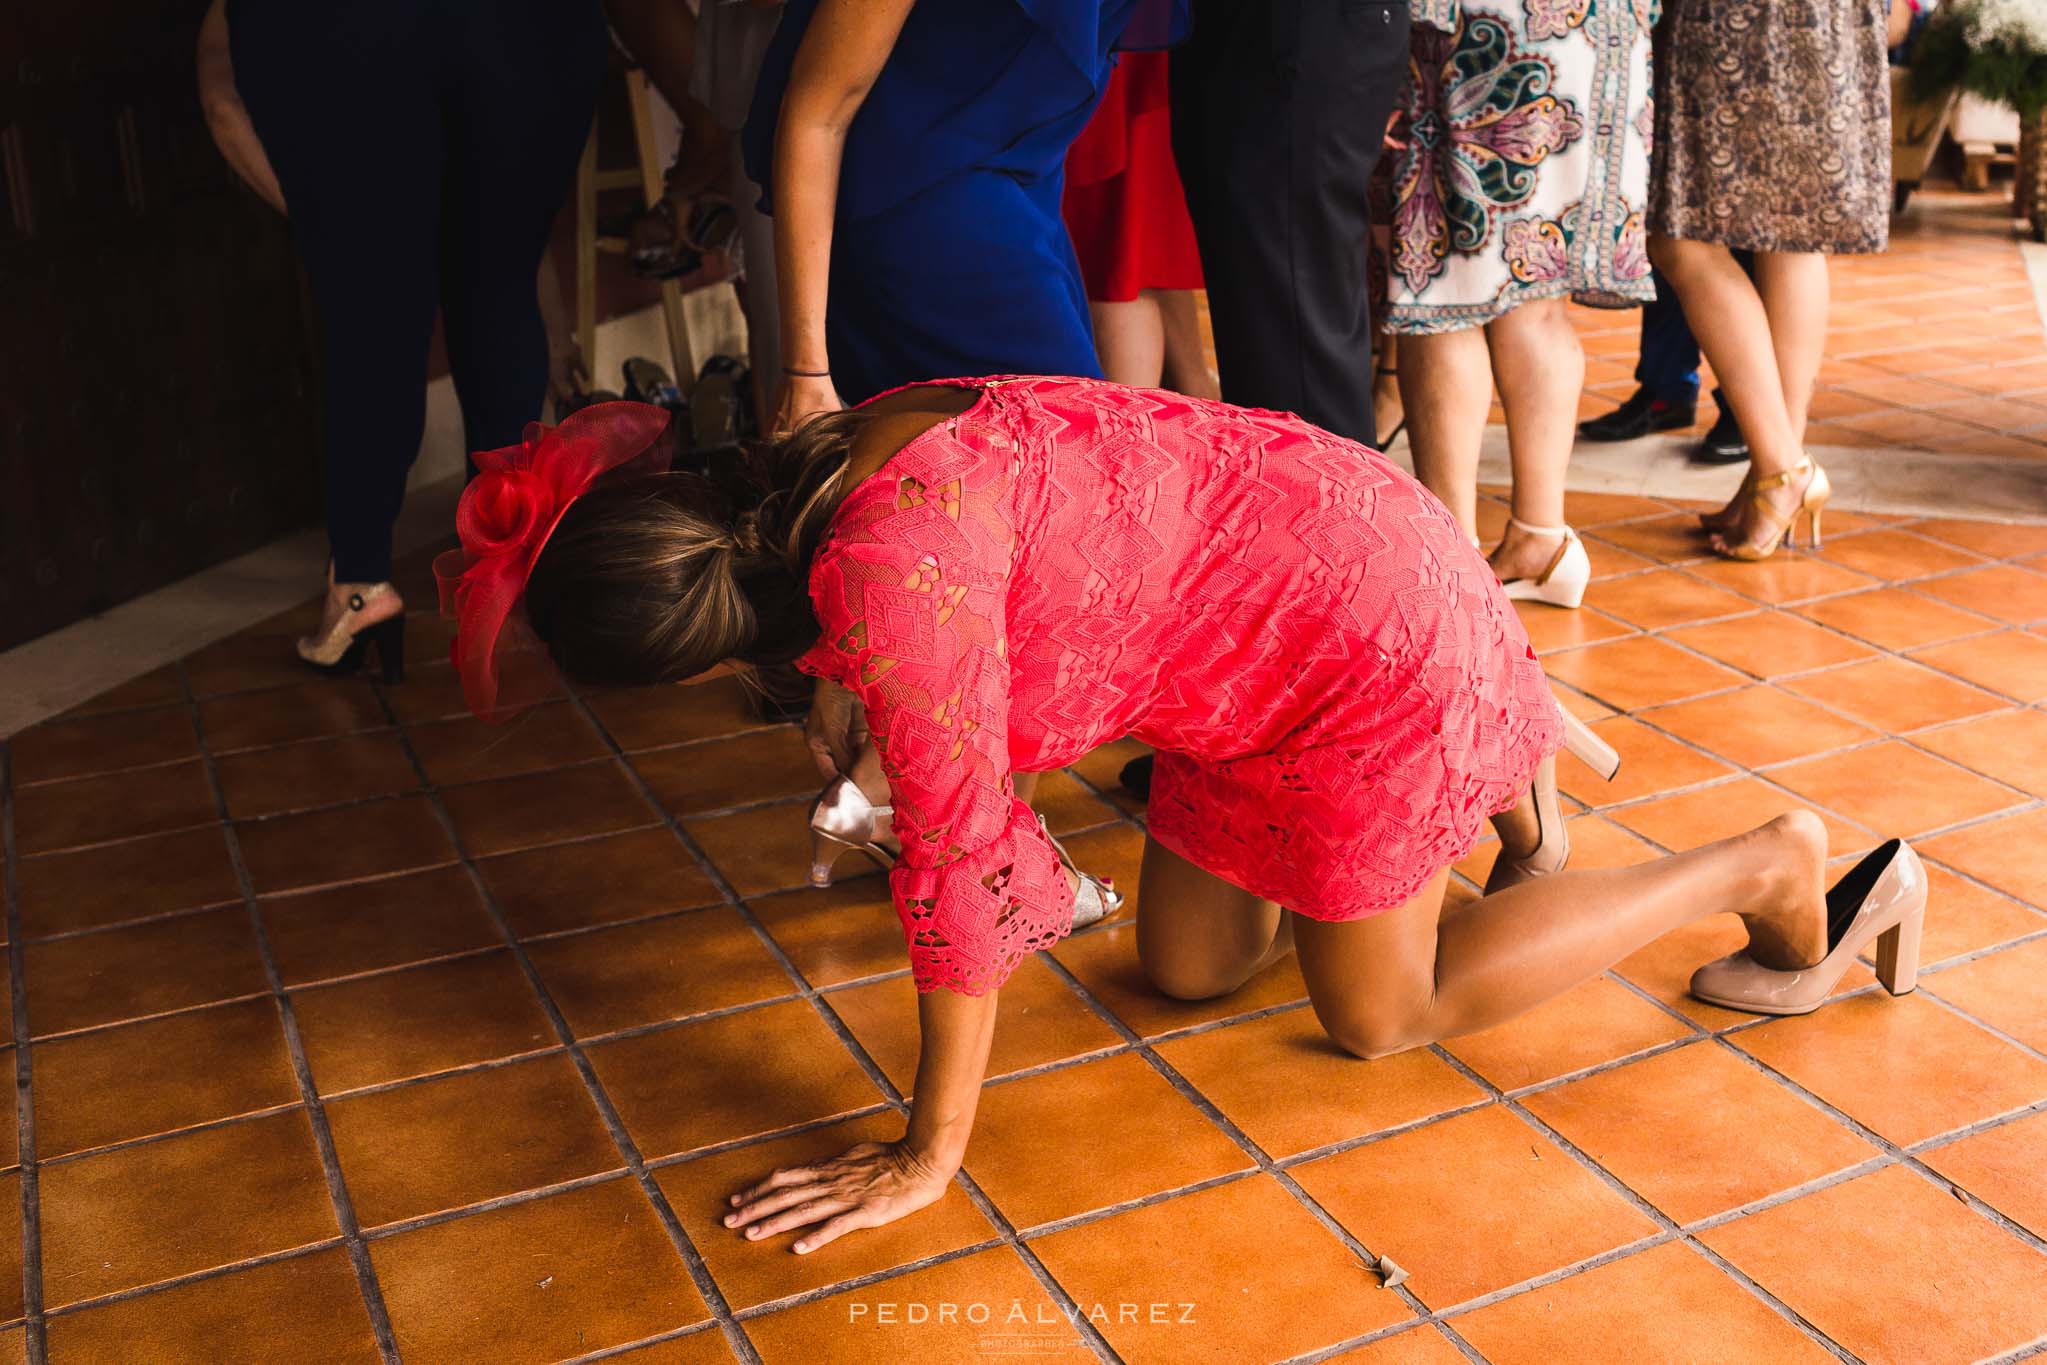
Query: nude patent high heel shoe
1552	843
1552	849
1562	584
1588	748
1777	528
842	818
1883	897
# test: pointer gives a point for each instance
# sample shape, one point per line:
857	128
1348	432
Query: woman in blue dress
913	157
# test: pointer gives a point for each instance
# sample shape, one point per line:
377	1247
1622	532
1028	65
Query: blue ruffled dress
949	255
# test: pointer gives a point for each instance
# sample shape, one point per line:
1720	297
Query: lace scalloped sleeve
910	593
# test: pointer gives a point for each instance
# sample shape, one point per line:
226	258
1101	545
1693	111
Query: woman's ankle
377	597
1524	552
1785	889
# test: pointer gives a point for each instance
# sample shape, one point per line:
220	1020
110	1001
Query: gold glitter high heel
340	651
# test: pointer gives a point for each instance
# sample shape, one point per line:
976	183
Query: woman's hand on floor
865	1187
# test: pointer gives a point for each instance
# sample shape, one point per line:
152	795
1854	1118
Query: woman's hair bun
747	536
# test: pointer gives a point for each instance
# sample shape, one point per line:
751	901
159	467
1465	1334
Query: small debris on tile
1392	1275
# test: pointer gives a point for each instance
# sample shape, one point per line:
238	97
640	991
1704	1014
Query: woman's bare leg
1410	976
1186	359
1519	829
1733	329
1198	936
1446	382
1734	332
1539	367
1130	340
1794	286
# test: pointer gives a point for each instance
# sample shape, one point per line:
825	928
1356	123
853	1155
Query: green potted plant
1996	49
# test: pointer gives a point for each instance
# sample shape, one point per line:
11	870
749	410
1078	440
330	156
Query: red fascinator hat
506	515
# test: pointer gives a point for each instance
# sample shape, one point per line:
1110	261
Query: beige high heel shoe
1552	851
1778	527
1562	583
1883	897
1552	843
842	818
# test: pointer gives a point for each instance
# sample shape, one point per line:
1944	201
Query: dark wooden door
157	404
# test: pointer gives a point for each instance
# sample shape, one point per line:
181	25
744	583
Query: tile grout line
713	1326
1902	1154
35	1329
628	1148
1262	1161
193	1277
2027	805
2030	1351
830	1018
302	1071
1993	1030
1969	956
150	1139
1657	1216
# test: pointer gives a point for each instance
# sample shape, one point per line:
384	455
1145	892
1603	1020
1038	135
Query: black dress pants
1279	112
424	147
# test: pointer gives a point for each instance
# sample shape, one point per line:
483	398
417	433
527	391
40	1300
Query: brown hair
661	578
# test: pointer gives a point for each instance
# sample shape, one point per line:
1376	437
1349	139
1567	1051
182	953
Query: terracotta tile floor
352	1028
1935	344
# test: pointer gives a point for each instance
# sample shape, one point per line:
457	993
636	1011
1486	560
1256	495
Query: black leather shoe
1639	416
1724	444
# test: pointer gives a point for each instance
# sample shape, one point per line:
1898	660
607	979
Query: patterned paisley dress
1525	170
1339	691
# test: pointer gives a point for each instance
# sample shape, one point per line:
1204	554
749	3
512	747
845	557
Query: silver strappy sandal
1097	898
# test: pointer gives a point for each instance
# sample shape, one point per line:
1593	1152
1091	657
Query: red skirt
1124	203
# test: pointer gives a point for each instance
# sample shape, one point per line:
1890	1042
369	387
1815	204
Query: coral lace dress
1339	692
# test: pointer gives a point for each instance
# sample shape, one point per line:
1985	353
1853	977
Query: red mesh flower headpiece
504	519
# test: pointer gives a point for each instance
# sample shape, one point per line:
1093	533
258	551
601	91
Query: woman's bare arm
957	1031
225	114
879	1182
837	63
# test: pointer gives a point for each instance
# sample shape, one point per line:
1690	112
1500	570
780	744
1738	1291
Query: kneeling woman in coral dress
1007	573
